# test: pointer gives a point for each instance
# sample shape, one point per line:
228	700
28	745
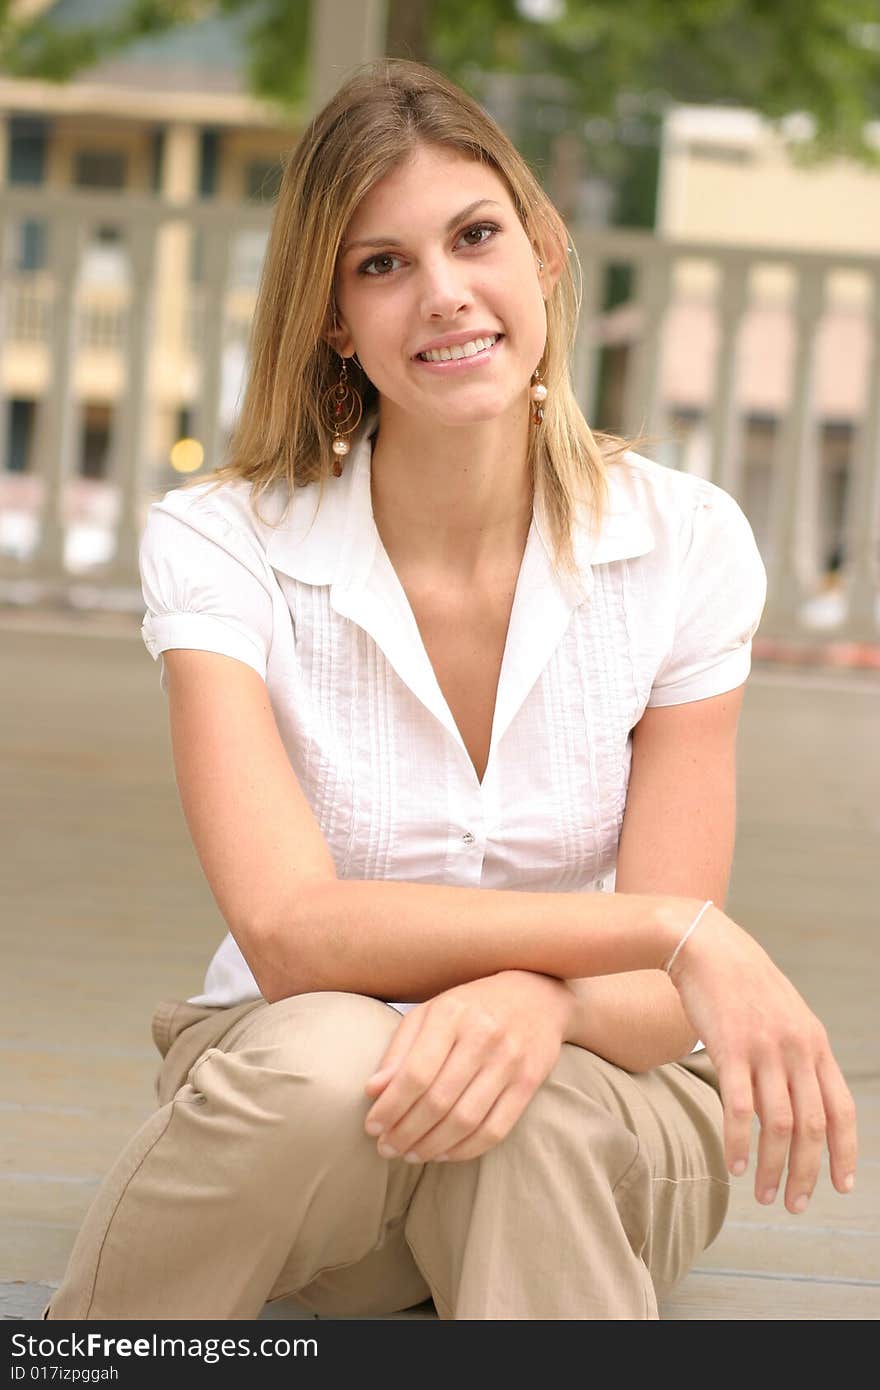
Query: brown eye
375	260
488	227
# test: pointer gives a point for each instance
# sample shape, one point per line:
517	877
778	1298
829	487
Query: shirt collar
336	543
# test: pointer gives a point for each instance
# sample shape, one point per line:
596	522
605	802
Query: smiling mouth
477	350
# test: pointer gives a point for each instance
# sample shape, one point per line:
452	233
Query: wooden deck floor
105	911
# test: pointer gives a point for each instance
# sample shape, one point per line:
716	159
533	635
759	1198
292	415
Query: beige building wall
726	176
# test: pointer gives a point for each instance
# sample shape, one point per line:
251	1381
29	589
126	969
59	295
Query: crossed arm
677	837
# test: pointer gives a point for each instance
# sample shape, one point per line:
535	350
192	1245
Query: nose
445	290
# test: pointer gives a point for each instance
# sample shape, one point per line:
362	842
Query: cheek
379	337
531	320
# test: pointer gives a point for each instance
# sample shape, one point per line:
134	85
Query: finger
739	1109
840	1115
405	1034
808	1138
456	1103
495	1127
376	1084
773	1105
415	1072
408	1030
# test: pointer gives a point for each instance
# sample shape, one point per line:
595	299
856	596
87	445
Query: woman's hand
773	1059
462	1067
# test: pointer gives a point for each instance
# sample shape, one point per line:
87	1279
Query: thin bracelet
694	924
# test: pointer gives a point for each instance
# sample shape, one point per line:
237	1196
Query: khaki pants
256	1181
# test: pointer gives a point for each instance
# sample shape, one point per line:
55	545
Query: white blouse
670	595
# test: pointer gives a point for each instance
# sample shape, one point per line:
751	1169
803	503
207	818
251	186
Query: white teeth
462	350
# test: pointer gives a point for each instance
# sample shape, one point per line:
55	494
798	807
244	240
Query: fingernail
849	1182
412	1157
442	1158
373	1127
738	1168
800	1203
769	1196
387	1151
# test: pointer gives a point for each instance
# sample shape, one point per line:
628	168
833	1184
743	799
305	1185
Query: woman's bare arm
678	837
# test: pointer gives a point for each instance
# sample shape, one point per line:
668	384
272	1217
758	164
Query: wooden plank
746	1297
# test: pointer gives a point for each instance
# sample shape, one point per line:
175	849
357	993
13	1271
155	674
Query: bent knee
301	1060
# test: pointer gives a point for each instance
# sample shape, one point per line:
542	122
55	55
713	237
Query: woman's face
447	259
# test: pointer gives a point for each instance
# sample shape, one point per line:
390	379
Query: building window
209	159
30	250
95	440
27	150
99	169
722	154
22	414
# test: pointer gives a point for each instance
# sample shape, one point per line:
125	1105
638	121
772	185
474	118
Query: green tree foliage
820	57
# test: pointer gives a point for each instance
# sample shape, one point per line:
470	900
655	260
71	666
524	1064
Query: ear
554	254
552	248
338	336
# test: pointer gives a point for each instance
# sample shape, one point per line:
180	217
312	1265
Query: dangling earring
342	408
538	394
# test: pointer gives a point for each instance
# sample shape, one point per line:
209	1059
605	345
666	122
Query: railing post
216	276
131	432
642	410
57	409
791	562
725	419
862	532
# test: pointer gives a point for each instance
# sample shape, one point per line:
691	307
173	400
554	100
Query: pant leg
602	1196
608	1185
255	1179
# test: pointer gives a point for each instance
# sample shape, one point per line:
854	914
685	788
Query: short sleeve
721	591
202	589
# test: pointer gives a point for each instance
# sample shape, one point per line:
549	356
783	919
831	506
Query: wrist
672	918
563	995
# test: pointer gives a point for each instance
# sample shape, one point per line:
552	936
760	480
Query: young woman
454	688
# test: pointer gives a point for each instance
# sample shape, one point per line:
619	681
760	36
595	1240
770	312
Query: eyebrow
450	226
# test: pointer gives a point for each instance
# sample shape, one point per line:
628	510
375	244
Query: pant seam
116	1205
703	1177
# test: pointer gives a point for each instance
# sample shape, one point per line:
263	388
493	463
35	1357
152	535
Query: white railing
56	328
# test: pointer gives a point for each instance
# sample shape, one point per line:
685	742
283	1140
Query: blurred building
171	117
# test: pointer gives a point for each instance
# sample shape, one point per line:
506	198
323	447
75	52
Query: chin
464	413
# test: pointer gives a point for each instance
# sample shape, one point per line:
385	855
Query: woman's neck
452	501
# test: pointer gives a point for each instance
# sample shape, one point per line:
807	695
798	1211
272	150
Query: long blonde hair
373	123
